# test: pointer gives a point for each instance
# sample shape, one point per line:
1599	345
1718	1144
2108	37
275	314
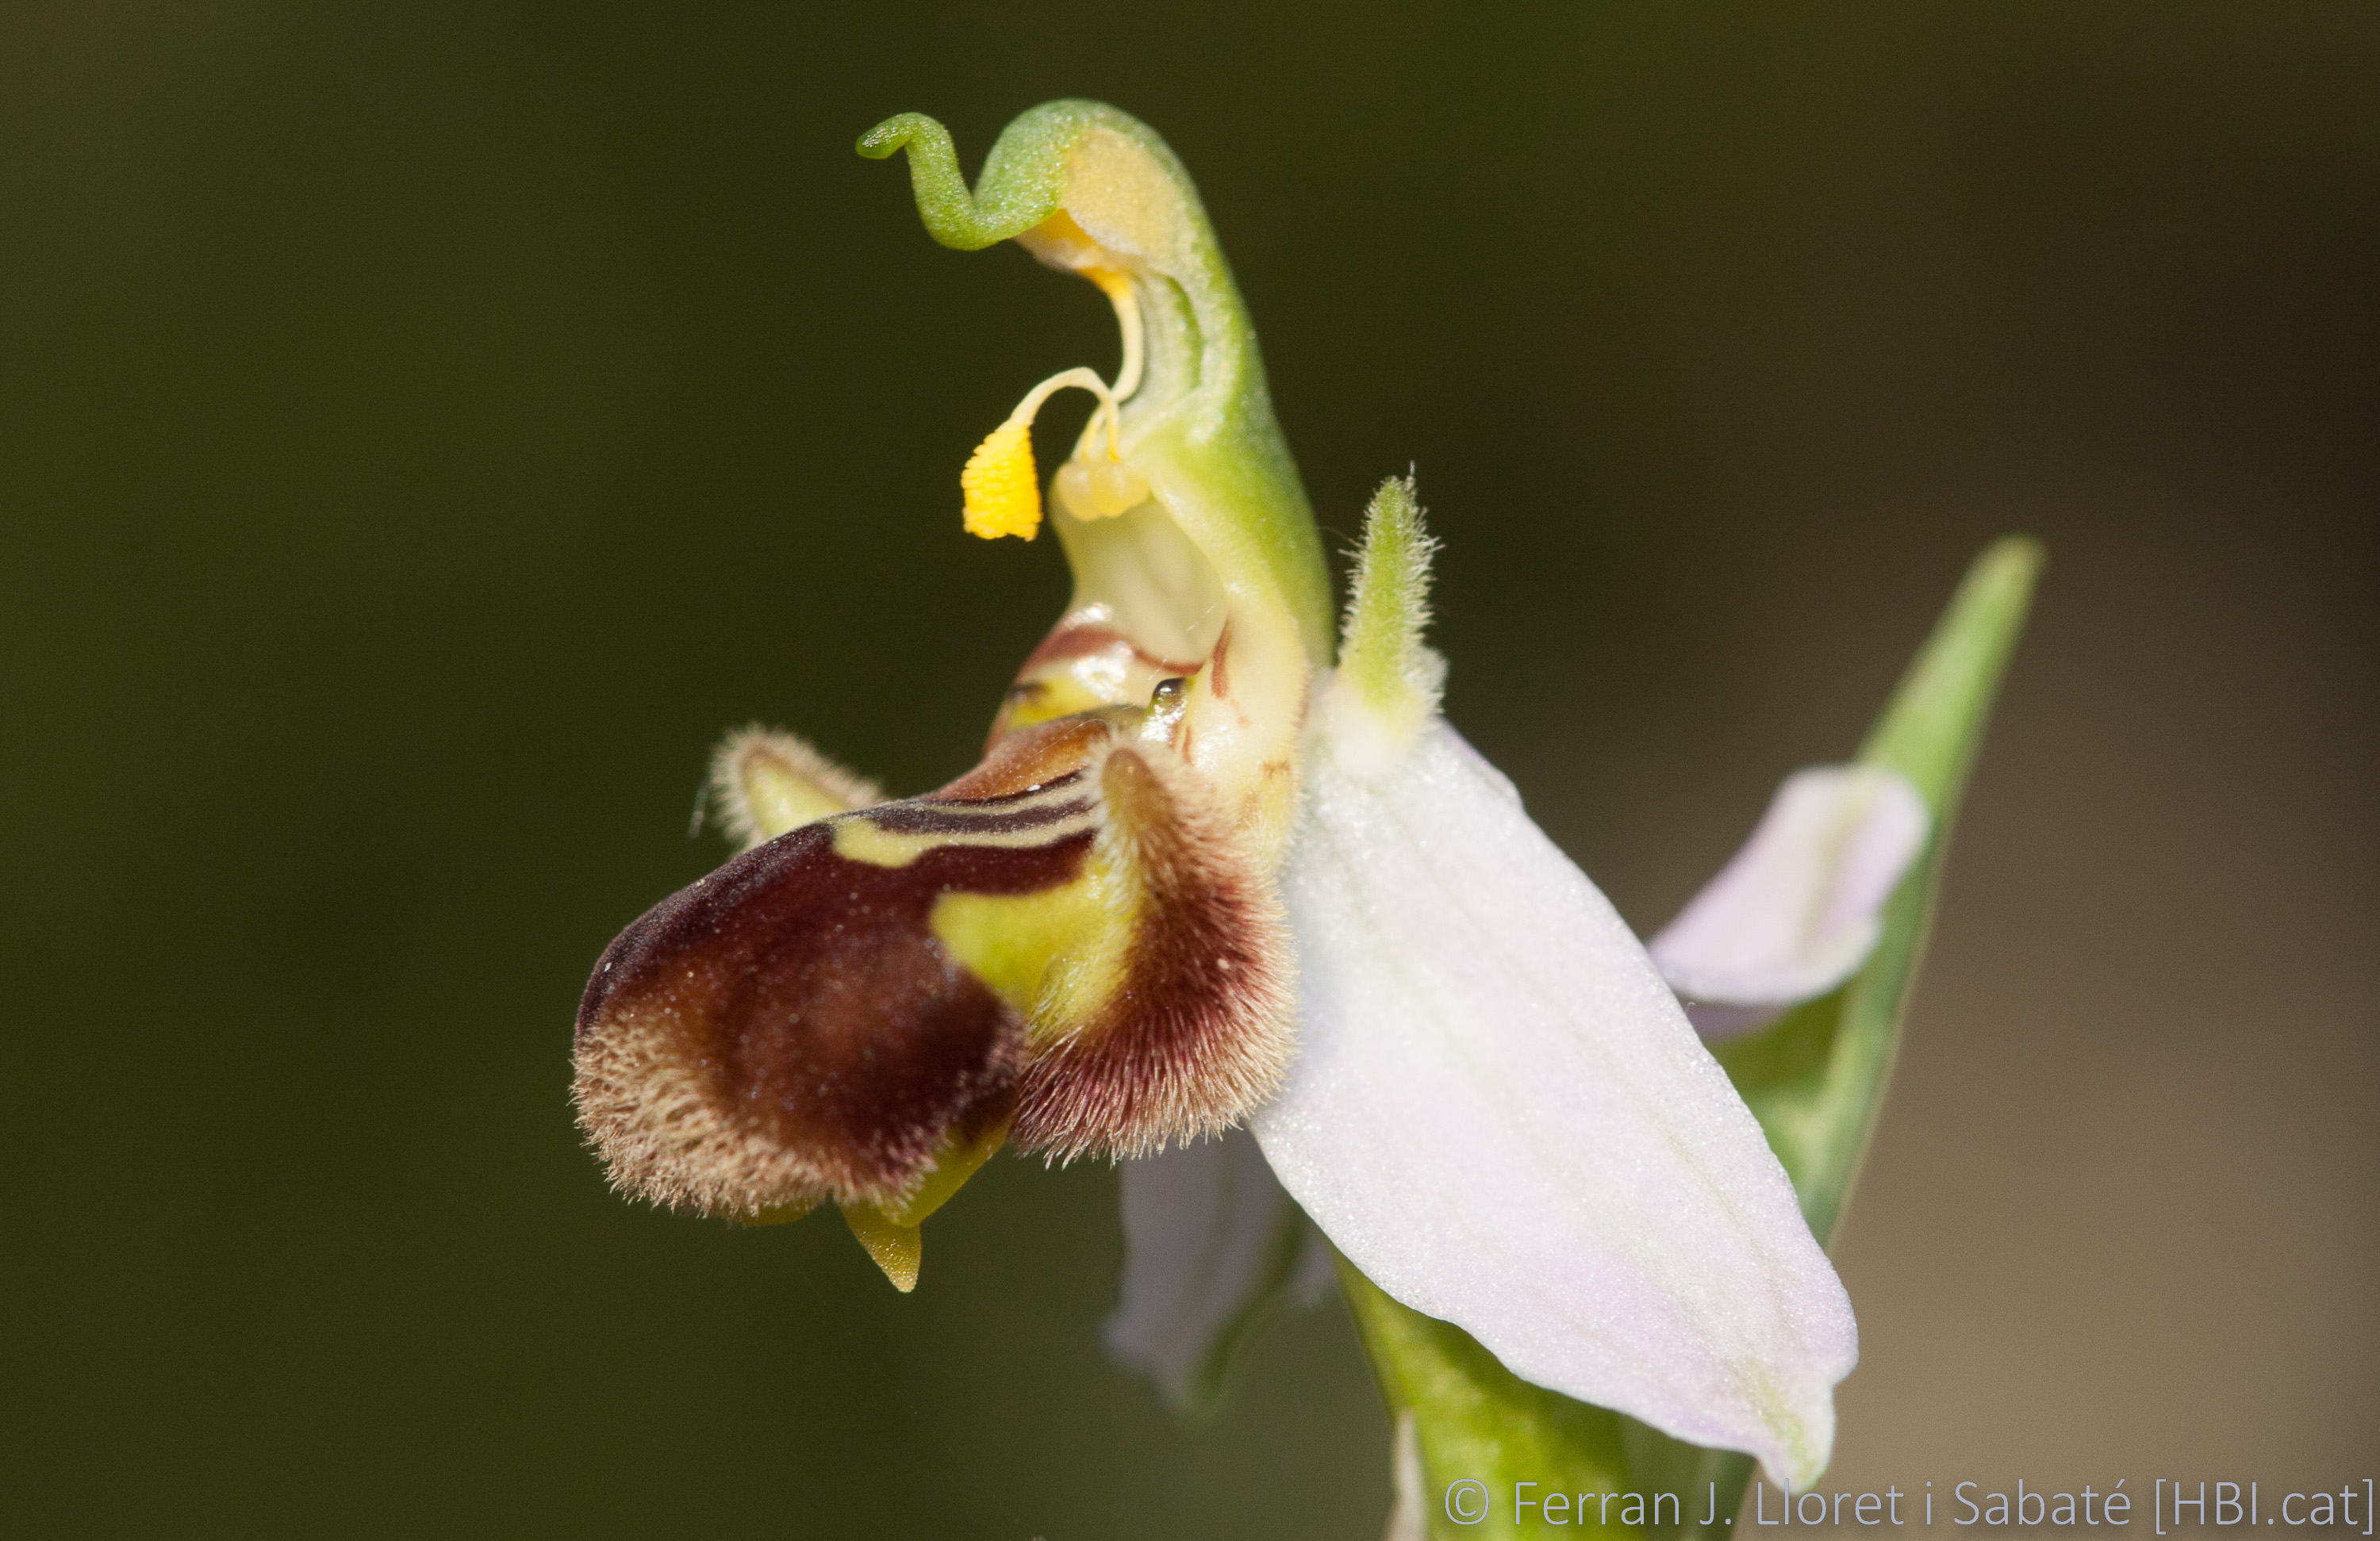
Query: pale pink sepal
1798	910
1499	1114
1209	1241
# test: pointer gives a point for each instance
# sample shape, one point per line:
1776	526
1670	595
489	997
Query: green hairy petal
1381	653
1815	1080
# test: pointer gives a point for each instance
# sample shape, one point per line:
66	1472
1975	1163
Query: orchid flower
1225	867
1213	1240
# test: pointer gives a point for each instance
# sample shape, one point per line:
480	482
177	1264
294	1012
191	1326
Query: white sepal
1210	1240
1798	910
1499	1114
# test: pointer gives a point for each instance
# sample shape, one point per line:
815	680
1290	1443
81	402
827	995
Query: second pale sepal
1211	1244
1499	1115
1799	909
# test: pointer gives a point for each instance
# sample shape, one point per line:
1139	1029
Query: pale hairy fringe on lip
1199	1030
734	792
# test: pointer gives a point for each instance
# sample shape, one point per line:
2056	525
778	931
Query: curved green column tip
1023	177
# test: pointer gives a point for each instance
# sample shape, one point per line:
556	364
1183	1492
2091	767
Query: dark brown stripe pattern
791	1028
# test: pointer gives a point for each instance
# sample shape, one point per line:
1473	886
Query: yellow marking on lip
1021	945
865	839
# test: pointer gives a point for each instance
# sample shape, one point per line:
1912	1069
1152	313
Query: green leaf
1815	1080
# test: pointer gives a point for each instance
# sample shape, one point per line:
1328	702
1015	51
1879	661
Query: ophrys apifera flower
1221	866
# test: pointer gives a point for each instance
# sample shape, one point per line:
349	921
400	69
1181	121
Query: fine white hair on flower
1799	909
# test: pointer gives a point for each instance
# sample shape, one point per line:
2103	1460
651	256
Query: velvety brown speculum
793	1028
789	1028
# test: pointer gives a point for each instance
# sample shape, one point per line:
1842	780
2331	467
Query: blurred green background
425	428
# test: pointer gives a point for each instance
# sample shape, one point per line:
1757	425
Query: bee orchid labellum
1220	870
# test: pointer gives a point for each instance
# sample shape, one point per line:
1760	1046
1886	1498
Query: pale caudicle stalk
1093	943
